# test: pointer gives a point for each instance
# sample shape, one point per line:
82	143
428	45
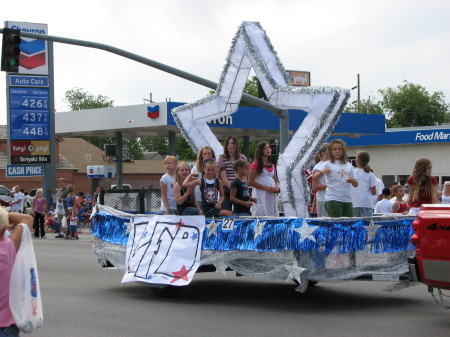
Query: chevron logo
153	112
32	54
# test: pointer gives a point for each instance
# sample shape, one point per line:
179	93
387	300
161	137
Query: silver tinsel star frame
251	48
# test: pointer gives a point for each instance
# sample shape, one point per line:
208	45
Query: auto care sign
164	249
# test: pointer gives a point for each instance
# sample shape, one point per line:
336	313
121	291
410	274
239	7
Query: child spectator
206	152
422	186
211	189
362	195
319	184
89	200
384	206
168	202
225	164
445	195
185	196
263	178
399	206
240	193
339	175
49	220
38	207
72	221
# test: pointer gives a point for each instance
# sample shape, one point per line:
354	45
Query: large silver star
213	227
251	49
306	231
259	228
294	271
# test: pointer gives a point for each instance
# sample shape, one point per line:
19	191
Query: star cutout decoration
306	231
251	48
179	224
129	227
294	271
372	231
221	268
212	226
259	228
181	274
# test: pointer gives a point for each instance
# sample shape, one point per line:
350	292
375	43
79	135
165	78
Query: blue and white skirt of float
168	249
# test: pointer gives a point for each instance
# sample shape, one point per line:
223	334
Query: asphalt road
82	299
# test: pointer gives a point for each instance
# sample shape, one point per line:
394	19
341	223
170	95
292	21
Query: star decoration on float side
372	231
259	228
129	227
294	272
251	48
306	231
212	226
181	274
221	268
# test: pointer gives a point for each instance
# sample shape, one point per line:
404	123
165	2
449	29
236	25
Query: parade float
167	251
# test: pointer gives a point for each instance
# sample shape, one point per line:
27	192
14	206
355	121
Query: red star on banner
181	274
179	224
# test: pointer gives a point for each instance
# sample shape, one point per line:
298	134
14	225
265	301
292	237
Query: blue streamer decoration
393	236
110	228
278	234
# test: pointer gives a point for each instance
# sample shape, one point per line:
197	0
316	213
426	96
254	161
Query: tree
411	105
80	99
365	107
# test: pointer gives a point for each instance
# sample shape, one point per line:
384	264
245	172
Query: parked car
124	187
5	193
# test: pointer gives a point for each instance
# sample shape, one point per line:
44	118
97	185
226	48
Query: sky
385	41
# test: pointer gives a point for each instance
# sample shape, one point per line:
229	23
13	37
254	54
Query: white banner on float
164	249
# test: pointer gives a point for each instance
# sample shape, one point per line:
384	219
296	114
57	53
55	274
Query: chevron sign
33	53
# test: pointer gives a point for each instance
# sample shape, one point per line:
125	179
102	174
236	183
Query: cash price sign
29	109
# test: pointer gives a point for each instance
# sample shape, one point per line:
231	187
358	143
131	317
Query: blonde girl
38	207
185	196
211	189
168	202
205	153
339	174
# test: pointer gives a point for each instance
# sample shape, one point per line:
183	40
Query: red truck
431	265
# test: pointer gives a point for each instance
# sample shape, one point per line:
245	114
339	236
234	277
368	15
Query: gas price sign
29	113
29	120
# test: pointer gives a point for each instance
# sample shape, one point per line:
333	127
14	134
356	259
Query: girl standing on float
362	195
263	178
319	183
339	175
185	196
225	163
205	153
166	183
422	186
211	189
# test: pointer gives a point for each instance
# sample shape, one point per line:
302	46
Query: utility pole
358	101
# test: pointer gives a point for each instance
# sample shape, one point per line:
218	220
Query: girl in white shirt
339	175
362	195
